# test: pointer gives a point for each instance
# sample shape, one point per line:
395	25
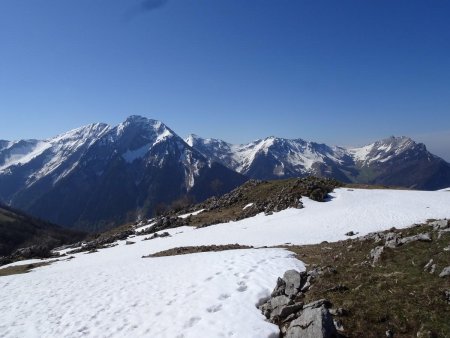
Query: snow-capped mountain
274	157
26	163
98	175
393	161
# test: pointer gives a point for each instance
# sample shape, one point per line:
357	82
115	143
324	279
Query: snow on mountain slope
382	151
43	157
139	164
287	157
21	152
116	293
397	161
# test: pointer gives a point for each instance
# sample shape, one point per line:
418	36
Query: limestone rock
440	224
425	237
375	254
312	323
445	272
293	280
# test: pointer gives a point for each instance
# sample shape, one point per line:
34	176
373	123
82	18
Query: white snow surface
24	154
191	213
116	293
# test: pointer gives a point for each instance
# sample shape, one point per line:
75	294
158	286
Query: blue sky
341	72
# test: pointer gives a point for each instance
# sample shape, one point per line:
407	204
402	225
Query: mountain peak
137	119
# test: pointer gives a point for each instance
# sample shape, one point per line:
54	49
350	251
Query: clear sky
338	71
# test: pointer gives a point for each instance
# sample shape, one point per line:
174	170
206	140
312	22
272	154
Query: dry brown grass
396	295
18	269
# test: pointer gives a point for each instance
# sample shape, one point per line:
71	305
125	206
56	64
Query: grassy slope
396	294
19	230
259	193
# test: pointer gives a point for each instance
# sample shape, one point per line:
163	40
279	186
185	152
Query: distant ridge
397	161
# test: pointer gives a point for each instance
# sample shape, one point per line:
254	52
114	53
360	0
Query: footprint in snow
214	308
209	278
191	322
224	296
242	286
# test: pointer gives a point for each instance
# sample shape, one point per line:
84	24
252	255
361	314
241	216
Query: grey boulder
312	323
445	272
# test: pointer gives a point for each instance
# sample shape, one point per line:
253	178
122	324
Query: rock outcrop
286	308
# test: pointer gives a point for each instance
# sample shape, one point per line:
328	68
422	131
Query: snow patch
191	214
131	155
247	206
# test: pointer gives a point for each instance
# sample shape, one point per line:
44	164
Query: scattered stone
442	232
34	251
375	254
427	266
351	233
286	308
447	296
341	312
423	333
440	224
391	240
106	240
338	324
424	237
129	242
389	334
433	269
445	272
156	235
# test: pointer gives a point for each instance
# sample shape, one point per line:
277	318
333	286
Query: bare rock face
293	280
312	323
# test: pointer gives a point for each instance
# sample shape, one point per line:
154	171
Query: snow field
116	293
197	295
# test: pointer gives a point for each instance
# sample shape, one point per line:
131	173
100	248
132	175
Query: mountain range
98	176
394	161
